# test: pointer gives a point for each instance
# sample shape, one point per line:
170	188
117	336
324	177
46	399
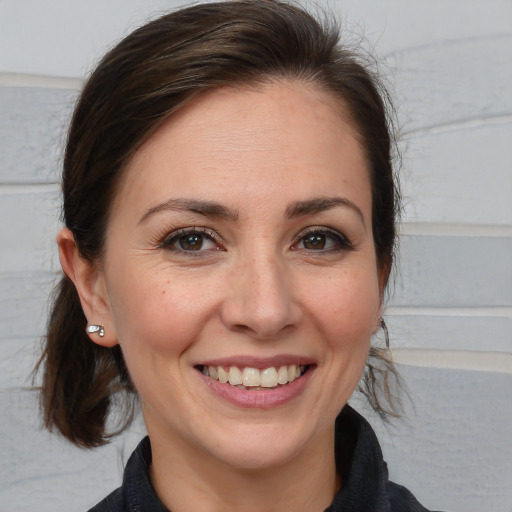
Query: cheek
156	324
347	308
155	316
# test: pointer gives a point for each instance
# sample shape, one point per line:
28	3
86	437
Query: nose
260	300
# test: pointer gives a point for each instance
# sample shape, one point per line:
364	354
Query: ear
90	284
383	276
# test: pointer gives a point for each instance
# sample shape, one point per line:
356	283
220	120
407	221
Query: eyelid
343	241
166	241
171	237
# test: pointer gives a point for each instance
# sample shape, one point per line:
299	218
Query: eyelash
341	243
173	238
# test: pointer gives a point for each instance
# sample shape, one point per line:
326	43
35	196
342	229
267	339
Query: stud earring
92	329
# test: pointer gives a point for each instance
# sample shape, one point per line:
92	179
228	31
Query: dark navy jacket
359	461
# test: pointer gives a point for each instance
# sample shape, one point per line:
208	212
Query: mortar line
494	362
44	81
492	311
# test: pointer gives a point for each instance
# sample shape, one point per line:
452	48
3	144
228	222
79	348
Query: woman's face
240	247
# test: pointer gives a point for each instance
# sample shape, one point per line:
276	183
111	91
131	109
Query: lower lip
261	398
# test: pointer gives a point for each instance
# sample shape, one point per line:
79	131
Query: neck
186	480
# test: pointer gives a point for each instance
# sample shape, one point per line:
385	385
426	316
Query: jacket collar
358	459
360	464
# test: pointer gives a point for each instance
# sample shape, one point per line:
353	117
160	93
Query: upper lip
244	361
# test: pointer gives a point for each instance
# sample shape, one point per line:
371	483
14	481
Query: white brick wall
450	316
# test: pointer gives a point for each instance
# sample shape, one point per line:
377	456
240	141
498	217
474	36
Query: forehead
253	139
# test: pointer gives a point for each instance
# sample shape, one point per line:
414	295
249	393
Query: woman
229	207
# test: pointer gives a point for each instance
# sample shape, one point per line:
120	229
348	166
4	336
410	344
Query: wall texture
450	316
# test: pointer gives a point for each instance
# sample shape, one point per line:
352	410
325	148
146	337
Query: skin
255	286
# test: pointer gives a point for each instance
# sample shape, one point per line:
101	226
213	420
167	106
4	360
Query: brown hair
136	87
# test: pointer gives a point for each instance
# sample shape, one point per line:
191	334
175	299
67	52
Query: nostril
260	303
263	331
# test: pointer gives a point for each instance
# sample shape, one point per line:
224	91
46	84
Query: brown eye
314	241
322	240
191	242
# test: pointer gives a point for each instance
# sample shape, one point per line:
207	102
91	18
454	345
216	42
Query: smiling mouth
254	378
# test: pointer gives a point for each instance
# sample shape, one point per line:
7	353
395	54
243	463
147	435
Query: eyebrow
211	209
205	208
321	204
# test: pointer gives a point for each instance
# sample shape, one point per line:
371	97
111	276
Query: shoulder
402	500
364	472
112	503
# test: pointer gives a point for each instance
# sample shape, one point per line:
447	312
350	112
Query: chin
256	457
257	447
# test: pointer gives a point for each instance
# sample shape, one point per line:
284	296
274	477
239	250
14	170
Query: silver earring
92	329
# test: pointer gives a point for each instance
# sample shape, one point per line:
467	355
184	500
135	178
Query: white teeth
282	375
235	376
223	375
269	378
252	377
212	370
